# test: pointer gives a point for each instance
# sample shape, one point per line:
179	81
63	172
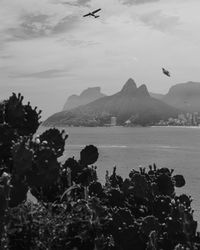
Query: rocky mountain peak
91	91
88	95
129	87
142	91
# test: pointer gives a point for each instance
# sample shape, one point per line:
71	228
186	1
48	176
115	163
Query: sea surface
126	148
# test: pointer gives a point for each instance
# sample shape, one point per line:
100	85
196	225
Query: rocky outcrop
87	96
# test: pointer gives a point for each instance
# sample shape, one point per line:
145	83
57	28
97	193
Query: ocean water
128	148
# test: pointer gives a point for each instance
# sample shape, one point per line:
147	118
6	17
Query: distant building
195	118
189	118
113	121
127	123
182	119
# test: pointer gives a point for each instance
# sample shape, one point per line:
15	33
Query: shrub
74	210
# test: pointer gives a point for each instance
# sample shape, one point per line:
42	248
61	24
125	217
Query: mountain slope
156	96
87	96
129	102
185	96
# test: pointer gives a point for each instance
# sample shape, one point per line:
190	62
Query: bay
126	148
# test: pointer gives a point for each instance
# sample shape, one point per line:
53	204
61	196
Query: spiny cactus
165	184
5	188
7	136
140	186
18	192
87	176
95	189
14	111
89	155
185	200
31	120
115	197
149	224
22	156
115	180
122	217
55	140
21	117
162	207
73	209
179	180
75	168
153	241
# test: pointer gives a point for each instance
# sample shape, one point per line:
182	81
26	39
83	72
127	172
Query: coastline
170	126
154	126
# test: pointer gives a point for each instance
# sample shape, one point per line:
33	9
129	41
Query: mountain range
91	94
132	102
184	96
87	96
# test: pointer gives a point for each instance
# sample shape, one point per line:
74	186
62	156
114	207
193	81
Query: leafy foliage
74	210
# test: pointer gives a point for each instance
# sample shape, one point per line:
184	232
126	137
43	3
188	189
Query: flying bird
92	13
166	72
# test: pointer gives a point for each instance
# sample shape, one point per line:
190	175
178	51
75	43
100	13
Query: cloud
159	21
132	2
77	2
52	73
41	25
35	19
65	24
78	43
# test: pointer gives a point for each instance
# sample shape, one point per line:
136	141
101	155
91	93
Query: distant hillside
185	96
87	96
130	103
157	96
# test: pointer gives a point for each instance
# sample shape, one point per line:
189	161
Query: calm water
127	148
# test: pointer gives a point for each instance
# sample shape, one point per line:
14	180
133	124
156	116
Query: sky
49	51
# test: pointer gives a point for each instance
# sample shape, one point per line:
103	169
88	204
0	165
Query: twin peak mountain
130	89
131	103
94	93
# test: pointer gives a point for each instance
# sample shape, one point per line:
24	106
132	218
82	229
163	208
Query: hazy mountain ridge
131	102
87	96
157	96
185	96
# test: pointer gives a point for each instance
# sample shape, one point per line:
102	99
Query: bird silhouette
93	13
166	72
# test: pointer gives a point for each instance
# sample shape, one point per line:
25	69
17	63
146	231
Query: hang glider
166	72
93	13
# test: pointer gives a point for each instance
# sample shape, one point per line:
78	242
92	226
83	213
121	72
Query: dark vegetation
74	211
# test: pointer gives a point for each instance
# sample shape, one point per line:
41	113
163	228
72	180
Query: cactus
5	187
185	200
162	207
55	140
22	156
95	189
149	224
122	217
74	210
18	192
179	180
165	184
115	197
23	118
140	186
7	136
89	155
152	244
115	180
